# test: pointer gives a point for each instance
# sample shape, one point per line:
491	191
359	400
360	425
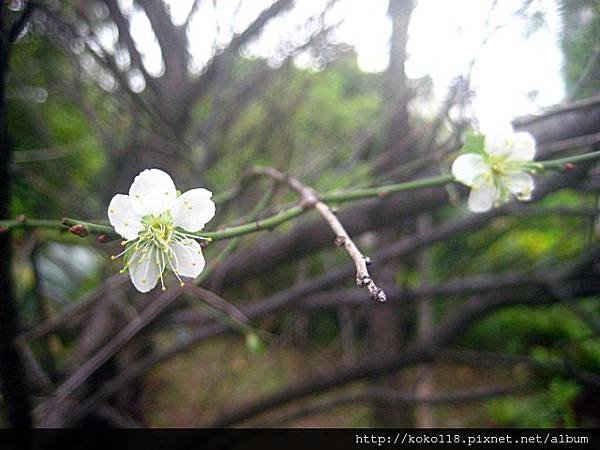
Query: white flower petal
193	209
188	260
152	192
482	197
144	273
522	147
123	218
515	147
496	144
519	184
468	167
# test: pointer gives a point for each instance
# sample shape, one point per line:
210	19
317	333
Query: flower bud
79	230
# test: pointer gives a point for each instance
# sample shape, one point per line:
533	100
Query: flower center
158	229
498	165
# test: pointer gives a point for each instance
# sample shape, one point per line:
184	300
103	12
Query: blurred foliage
57	154
550	408
580	42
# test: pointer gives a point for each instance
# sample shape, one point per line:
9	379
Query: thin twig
310	199
68	315
219	303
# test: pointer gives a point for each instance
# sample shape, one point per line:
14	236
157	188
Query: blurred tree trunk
385	322
15	389
424	387
396	91
387	340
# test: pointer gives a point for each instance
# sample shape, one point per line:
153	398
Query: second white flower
498	173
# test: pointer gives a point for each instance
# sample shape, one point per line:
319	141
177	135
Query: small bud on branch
339	241
79	230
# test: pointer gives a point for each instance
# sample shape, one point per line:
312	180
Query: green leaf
474	143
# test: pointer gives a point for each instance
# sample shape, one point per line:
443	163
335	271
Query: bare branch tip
381	297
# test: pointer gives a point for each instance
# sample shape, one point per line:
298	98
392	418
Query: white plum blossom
501	171
156	224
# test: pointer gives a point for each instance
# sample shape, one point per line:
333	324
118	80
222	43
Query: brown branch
123	26
191	14
587	140
116	418
172	41
38	378
420	351
424	350
394	398
68	315
218	303
415	355
451	328
404	297
562	122
310	199
504	283
52	409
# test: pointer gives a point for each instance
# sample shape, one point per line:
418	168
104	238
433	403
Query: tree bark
397	134
424	412
386	323
15	388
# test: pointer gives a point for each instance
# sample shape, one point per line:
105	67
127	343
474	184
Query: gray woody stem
310	199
